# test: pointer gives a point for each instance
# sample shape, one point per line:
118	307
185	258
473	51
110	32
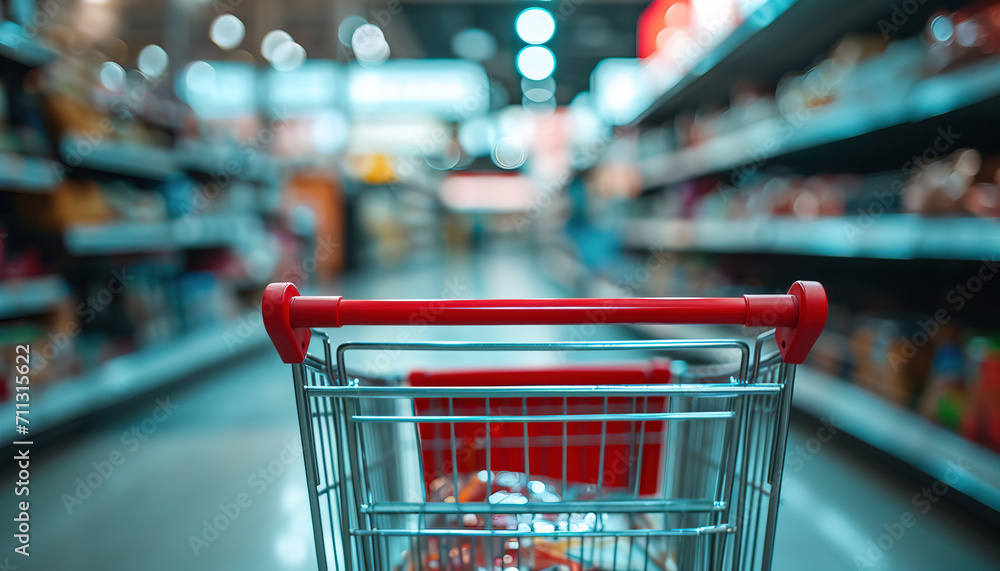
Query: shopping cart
662	465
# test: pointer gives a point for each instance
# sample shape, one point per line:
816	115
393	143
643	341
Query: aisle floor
227	428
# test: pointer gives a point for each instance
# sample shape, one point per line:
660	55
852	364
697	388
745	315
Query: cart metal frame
722	455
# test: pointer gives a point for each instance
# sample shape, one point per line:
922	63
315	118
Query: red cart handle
799	315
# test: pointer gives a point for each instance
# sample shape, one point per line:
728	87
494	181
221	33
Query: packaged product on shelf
150	308
131	203
940	188
944	396
52	337
831	352
203	300
881	72
72	202
983	197
964	36
12	334
818	86
886	361
27	117
981	421
8	141
748	107
69	115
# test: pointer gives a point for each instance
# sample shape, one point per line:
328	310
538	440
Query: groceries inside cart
599	456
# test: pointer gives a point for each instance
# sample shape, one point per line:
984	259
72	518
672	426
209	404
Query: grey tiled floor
232	423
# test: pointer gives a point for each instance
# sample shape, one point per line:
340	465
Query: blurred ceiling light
509	153
288	56
678	15
450	89
369	45
219	89
618	90
492	192
544	105
538	94
513	121
227	31
347	27
153	61
112	76
535	25
476	136
968	33
538	91
586	124
942	29
330	132
536	62
447	159
547	84
474	44
271	41
199	78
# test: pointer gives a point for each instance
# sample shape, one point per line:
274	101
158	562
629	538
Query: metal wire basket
584	467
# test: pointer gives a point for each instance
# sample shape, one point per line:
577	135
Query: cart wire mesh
385	496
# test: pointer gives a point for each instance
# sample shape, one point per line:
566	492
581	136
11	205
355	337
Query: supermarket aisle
221	470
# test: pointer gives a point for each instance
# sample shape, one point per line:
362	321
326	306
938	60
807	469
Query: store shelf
900	433
29	296
131	375
27	174
18	46
924	100
224	164
151	109
892	236
767	45
180	234
118	157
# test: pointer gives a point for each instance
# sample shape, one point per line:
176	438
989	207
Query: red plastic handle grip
799	315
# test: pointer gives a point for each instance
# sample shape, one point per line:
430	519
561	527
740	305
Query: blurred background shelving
151	183
134	230
860	153
891	236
